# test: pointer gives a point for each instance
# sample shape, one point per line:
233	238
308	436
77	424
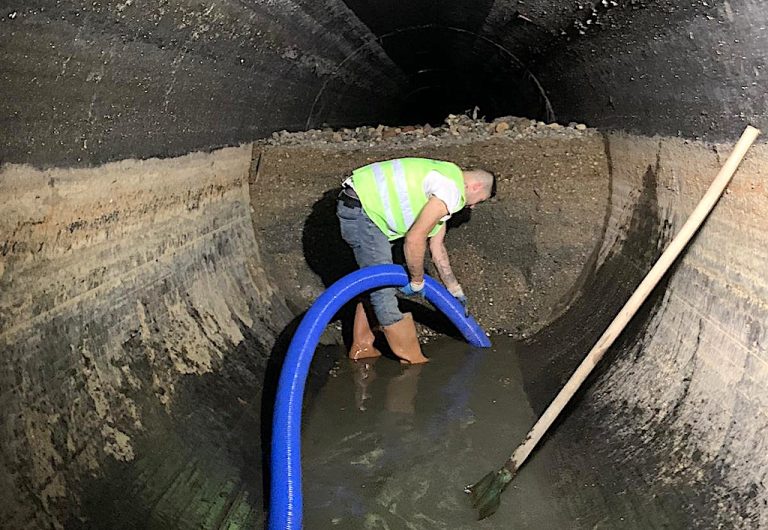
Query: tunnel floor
388	446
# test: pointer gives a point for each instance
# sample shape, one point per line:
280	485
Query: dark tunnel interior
450	66
106	80
153	259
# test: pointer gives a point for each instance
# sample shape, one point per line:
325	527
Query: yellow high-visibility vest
392	192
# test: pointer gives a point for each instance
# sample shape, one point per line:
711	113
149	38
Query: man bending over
410	198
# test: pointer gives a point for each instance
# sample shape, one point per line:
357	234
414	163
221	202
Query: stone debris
455	129
501	127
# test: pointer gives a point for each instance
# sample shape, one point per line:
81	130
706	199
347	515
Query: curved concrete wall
692	383
680	396
118	283
123	275
112	80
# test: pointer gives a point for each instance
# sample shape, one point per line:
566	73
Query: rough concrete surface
141	315
117	282
695	379
85	83
95	82
145	310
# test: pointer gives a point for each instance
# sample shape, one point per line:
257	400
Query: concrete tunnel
155	244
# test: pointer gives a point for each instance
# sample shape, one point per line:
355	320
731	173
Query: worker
409	198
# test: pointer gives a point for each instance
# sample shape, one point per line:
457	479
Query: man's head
479	185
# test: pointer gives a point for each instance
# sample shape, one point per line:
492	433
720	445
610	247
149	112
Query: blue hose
285	507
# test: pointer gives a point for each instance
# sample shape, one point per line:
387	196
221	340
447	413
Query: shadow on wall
555	352
326	253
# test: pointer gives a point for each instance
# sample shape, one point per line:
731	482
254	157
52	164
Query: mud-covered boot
362	337
404	341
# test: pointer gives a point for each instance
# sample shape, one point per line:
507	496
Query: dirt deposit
519	255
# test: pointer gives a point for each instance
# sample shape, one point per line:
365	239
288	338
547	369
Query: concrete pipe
159	237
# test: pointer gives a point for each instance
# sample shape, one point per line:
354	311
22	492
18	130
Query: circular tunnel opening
441	70
454	71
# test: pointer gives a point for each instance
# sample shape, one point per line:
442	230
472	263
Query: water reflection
363	374
401	390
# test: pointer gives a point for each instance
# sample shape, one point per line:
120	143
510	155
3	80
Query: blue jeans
371	247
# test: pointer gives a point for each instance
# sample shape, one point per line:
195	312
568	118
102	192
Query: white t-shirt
438	185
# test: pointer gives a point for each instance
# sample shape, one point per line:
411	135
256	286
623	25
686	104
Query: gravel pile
457	128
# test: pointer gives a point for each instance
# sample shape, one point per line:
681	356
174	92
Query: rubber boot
362	337
403	340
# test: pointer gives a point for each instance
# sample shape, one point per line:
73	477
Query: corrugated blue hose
285	506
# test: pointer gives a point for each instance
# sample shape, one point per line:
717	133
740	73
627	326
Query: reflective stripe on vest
392	192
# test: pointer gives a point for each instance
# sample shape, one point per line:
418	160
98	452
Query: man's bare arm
441	261
415	245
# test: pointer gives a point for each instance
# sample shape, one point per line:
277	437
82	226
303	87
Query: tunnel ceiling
85	82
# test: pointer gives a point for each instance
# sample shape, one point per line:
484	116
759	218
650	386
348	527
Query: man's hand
463	301
412	288
458	293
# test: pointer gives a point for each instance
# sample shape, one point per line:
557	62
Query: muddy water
392	446
387	446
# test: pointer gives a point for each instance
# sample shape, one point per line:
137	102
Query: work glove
412	289
458	294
